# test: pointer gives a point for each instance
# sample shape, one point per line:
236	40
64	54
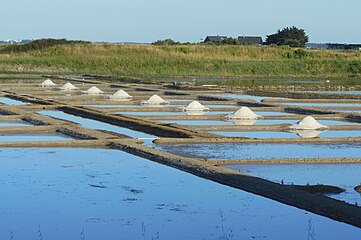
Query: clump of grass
154	62
37	45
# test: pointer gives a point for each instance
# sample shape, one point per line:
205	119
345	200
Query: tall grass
185	61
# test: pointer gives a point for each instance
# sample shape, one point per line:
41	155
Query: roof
215	39
250	40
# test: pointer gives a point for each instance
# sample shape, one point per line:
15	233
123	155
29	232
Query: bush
166	42
300	53
38	45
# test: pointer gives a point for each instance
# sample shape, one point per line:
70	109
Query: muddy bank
286	161
216	140
319	189
60	144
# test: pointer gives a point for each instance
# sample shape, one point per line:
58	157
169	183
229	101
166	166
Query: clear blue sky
182	20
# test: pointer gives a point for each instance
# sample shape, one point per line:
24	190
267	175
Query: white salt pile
154	100
194	106
47	83
93	91
68	87
120	95
308	123
243	113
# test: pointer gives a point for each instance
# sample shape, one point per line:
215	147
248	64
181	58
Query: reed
152	62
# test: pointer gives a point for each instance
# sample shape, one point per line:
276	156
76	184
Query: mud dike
30	104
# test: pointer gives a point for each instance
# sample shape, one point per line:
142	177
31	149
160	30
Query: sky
146	21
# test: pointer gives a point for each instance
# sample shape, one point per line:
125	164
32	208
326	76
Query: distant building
11	41
340	46
215	39
25	41
316	46
247	40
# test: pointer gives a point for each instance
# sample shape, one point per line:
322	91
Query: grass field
153	62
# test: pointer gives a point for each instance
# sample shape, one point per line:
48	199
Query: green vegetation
165	42
168	61
292	37
37	45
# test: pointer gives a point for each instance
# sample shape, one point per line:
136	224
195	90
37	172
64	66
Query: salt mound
93	90
47	83
308	123
307	133
68	87
120	95
154	100
243	113
194	106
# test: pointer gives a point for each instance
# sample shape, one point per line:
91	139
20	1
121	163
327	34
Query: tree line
289	36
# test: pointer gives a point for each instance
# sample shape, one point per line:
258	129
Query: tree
166	42
293	37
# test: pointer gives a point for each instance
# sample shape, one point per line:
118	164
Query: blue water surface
93	124
107	194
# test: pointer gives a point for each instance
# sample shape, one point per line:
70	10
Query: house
339	46
215	39
247	40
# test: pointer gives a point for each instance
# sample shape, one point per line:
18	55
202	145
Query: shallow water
236	151
346	176
14	123
345	110
220	106
93	124
34	137
179	113
321	134
258	134
272	113
224	123
133	106
106	194
238	96
252	122
336	92
324	104
9	101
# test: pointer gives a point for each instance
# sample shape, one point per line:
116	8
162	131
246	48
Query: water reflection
344	175
236	151
308	133
104	194
246	122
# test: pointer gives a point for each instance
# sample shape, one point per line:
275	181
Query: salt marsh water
179	113
272	113
336	92
133	106
235	151
34	137
9	101
324	104
93	124
321	134
14	123
243	96
238	96
106	194
346	176
255	122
